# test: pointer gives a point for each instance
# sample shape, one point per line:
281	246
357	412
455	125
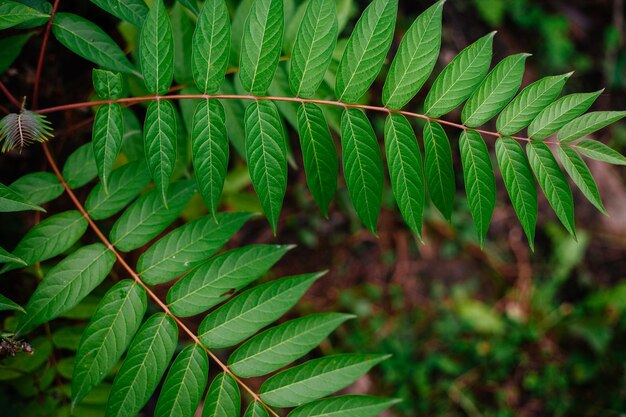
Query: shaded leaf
10	201
10	49
108	85
156	49
38	187
133	11
255	409
108	131
13	13
159	132
581	175
438	169
6	304
210	46
223	398
6	257
80	167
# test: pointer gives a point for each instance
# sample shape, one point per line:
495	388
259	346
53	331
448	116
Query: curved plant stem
379	109
10	96
138	280
42	53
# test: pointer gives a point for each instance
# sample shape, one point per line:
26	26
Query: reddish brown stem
274	98
10	96
42	53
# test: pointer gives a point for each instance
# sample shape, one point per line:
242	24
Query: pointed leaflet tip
569	74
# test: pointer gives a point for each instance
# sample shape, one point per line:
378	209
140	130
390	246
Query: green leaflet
438	168
38	187
553	183
252	310
255	409
316	378
283	344
529	103
362	165
192	5
460	77
159	133
313	48
133	11
223	398
188	246
215	280
80	167
518	179
266	152
209	147
559	113
600	152
280	88
10	49
87	40
125	183
6	257
344	406
365	52
156	49
11	200
147	359
415	59
587	124
318	154
495	91
108	85
108	334
183	27
404	160
210	46
184	384
260	46
13	13
68	337
7	304
108	131
66	284
50	238
581	175
148	216
480	182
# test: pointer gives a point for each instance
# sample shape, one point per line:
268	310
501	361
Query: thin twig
42	53
10	96
275	98
138	280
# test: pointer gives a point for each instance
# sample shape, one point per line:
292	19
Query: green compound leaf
148	216
519	182
344	406
252	310
313	48
108	132
159	134
125	183
283	344
50	238
13	13
316	378
480	182
133	11
495	91
438	168
260	46
365	52
319	155
362	166
156	49
223	398
587	124
215	280
38	187
110	330
553	183
148	357
581	175
188	246
184	384
404	161
11	200
210	46
255	409
460	77
266	152
66	284
415	59
80	167
209	147
7	304
87	40
529	103
559	113
600	152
